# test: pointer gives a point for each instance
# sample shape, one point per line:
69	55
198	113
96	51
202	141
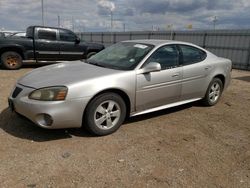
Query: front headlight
49	94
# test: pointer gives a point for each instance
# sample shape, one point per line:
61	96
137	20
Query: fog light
44	119
48	119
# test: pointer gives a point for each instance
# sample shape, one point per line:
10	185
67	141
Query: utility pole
124	27
171	27
215	20
42	13
58	20
73	25
111	24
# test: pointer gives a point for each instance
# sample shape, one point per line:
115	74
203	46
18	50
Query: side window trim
178	56
67	31
181	54
46	30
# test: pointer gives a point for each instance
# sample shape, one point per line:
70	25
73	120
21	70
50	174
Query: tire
11	60
105	114
213	93
90	54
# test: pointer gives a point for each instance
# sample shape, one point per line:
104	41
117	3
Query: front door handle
208	67
176	75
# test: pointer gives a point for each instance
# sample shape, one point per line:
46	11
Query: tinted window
67	36
46	34
167	56
29	32
192	55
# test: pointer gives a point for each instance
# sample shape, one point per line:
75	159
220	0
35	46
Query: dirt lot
188	146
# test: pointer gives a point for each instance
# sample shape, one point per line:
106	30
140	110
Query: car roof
156	42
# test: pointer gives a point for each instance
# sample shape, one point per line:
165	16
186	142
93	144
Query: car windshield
121	56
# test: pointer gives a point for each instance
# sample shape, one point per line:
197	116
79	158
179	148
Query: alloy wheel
214	92
107	114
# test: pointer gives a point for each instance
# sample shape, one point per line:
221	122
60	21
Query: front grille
16	92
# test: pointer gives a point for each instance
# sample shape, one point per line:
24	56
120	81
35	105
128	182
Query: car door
155	89
195	71
70	47
46	44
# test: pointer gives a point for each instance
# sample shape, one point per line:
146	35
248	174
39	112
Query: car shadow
243	78
20	127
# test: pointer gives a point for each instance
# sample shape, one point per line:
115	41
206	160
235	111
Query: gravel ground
187	146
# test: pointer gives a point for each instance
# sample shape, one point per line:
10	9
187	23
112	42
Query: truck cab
45	44
53	44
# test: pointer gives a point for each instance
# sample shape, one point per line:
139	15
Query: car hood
64	74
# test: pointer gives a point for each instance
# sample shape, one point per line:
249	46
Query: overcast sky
94	15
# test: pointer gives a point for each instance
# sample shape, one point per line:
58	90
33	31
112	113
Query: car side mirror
151	67
77	41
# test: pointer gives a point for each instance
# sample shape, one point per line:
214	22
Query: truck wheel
105	114
90	54
11	60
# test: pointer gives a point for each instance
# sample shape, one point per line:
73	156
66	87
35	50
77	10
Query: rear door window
46	34
191	55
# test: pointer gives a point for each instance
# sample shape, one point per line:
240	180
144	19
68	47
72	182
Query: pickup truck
44	44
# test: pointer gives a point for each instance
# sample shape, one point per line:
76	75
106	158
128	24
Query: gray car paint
146	92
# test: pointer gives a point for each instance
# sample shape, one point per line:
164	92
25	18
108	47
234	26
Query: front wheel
11	60
105	114
214	92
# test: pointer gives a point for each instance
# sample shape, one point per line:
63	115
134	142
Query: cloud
94	15
107	4
153	7
128	12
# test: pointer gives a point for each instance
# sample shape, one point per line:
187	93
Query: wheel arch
221	77
119	92
12	49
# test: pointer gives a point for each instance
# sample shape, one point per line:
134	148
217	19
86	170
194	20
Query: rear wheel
105	114
11	60
214	92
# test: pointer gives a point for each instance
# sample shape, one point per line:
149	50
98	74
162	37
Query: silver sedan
127	79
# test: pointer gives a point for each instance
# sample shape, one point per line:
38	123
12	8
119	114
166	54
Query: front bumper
49	114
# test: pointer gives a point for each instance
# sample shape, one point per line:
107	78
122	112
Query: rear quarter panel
220	66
